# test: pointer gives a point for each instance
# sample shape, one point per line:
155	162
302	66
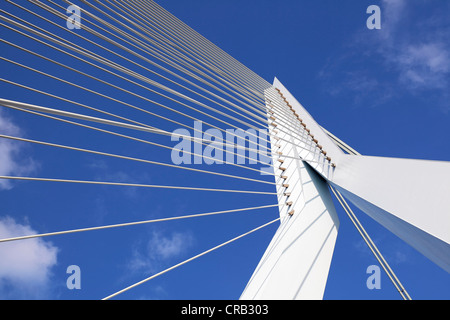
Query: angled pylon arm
411	198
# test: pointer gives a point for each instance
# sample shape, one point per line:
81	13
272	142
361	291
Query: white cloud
168	247
424	65
418	51
393	10
159	250
12	161
103	171
409	55
25	265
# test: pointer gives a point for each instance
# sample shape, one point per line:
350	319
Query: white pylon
408	197
296	262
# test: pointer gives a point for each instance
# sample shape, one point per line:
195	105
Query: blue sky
384	92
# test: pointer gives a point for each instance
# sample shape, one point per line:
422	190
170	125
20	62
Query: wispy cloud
424	65
420	52
409	54
105	172
161	248
396	253
12	158
25	265
102	170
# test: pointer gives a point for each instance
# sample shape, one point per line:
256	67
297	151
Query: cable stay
402	291
189	260
140	185
127	224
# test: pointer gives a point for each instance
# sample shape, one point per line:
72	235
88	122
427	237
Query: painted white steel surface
296	262
324	140
411	198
